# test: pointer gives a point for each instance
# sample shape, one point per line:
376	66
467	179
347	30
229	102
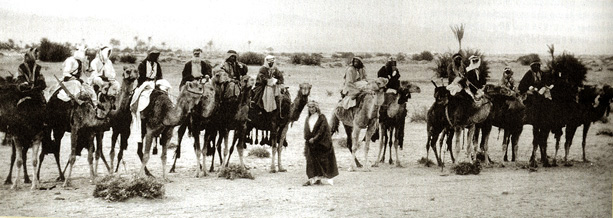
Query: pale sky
495	27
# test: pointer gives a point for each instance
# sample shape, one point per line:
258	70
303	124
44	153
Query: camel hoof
351	169
282	170
568	164
399	165
66	184
546	164
34	187
27	181
272	171
8	182
172	170
585	160
554	163
14	187
391	161
382	160
506	159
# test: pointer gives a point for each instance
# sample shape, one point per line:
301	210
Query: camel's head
220	76
207	100
405	90
130	73
247	81
441	95
191	94
305	89
379	83
106	103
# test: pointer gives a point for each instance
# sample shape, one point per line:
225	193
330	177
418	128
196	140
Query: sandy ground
504	189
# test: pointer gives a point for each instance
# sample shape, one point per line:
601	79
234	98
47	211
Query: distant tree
270	49
53	52
115	43
127	50
249	45
163	45
135	43
149	39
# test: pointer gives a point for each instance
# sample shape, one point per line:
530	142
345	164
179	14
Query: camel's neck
90	116
179	111
125	94
297	106
601	109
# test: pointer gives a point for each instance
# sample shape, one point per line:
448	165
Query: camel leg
570	134
391	141
456	150
100	155
382	145
114	137
586	128
123	143
355	133
514	142
19	162
56	143
90	158
396	141
241	144
543	146
148	141
369	132
349	133
210	140
204	150
198	152
280	146
272	139
73	156
432	139
164	142
535	145
9	178
505	144
226	153
98	138
36	145
177	154
485	136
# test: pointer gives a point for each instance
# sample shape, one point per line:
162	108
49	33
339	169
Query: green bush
306	59
235	171
128	58
527	59
251	58
382	54
113	58
423	56
53	52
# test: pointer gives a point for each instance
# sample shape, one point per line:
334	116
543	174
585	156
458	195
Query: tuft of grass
426	162
329	93
466	168
117	188
607	132
420	115
259	152
235	171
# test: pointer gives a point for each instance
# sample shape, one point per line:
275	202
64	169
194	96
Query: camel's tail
334	122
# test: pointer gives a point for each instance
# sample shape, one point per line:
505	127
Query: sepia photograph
270	108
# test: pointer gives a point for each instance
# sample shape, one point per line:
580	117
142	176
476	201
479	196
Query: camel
23	118
507	113
277	121
363	116
86	118
585	113
437	123
392	117
160	117
461	112
121	118
545	116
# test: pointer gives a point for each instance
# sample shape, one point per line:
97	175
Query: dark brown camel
437	123
7	94
363	116
121	118
277	121
233	117
545	115
23	118
161	116
508	114
585	113
461	113
86	118
392	116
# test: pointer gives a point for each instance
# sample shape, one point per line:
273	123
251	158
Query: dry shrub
251	58
117	188
425	161
420	115
527	59
306	59
466	168
235	171
570	67
443	61
607	132
423	56
53	51
128	58
259	152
